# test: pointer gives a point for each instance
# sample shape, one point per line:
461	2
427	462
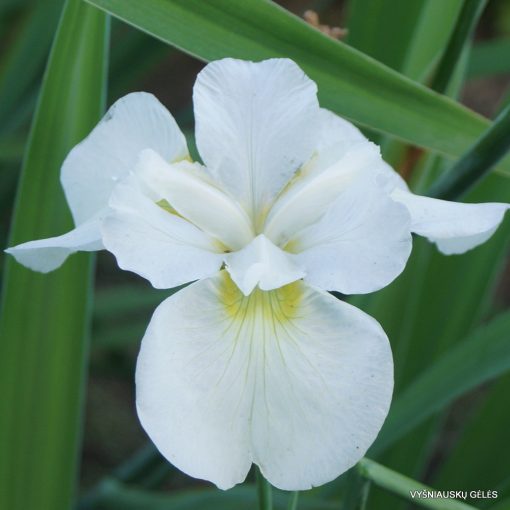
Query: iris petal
262	264
256	124
454	227
185	187
157	244
45	255
360	245
292	380
91	170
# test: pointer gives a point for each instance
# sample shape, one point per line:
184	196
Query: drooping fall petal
454	227
91	170
45	255
292	380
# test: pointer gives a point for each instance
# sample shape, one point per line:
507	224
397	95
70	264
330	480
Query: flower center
277	306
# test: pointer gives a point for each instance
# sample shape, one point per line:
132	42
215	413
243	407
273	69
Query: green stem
469	14
264	491
293	500
365	491
477	162
405	487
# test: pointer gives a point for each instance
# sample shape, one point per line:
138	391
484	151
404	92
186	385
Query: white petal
135	122
264	264
293	380
184	186
454	227
45	255
161	246
256	124
360	245
310	194
336	134
337	137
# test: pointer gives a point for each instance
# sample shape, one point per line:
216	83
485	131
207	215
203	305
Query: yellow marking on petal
184	158
278	305
302	172
164	204
292	246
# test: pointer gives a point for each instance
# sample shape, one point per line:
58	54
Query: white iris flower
254	362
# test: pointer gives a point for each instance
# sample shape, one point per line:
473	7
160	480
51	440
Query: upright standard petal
155	243
454	227
45	255
360	245
135	122
262	264
337	136
256	124
292	380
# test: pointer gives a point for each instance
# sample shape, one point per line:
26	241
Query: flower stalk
293	500
405	487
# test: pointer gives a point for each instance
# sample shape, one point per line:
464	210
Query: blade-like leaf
489	58
44	317
370	21
350	83
434	26
482	446
468	17
482	357
477	162
117	496
24	57
406	487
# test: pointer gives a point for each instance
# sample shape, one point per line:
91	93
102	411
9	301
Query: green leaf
468	17
117	496
133	55
411	48
480	358
350	83
371	21
11	149
124	300
405	486
121	314
477	162
24	57
502	505
440	301
473	461
433	28
489	58
45	317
